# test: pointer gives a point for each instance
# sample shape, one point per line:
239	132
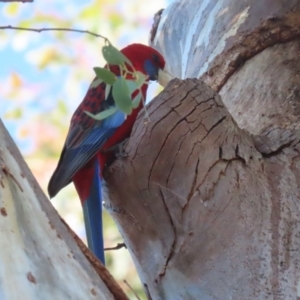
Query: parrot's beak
164	77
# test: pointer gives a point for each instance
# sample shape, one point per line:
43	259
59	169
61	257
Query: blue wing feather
77	156
78	151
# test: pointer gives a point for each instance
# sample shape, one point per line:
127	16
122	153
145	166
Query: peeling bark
210	40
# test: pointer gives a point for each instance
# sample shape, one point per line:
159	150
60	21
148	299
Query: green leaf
141	78
127	61
122	96
132	86
136	100
113	56
95	83
103	114
107	76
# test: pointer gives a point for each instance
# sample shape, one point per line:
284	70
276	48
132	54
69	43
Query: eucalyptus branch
54	29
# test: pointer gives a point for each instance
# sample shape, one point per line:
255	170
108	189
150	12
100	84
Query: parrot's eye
156	59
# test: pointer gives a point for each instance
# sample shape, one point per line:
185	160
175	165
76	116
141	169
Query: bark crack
172	109
191	193
277	151
174	160
172	248
159	152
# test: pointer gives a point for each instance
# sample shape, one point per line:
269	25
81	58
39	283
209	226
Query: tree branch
30	224
23	1
119	246
53	29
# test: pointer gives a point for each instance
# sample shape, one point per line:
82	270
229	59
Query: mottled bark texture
39	259
212	39
264	93
204	214
208	198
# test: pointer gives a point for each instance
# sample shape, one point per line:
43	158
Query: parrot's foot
119	149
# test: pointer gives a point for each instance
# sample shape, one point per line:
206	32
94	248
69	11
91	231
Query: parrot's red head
145	59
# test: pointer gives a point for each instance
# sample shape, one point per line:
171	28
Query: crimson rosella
86	149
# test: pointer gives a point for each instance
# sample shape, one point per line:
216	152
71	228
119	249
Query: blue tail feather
92	211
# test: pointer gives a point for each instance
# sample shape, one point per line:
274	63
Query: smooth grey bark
39	258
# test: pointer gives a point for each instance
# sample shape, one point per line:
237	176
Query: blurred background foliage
43	78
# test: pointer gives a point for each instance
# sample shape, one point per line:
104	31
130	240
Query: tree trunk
208	198
39	258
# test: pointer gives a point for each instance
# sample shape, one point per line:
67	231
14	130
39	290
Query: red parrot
83	157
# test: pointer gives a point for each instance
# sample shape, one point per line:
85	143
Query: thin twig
135	294
54	29
24	1
119	246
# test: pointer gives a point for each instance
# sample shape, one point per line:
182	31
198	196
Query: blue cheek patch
151	70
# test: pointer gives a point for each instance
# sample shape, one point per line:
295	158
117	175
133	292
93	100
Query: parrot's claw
120	151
